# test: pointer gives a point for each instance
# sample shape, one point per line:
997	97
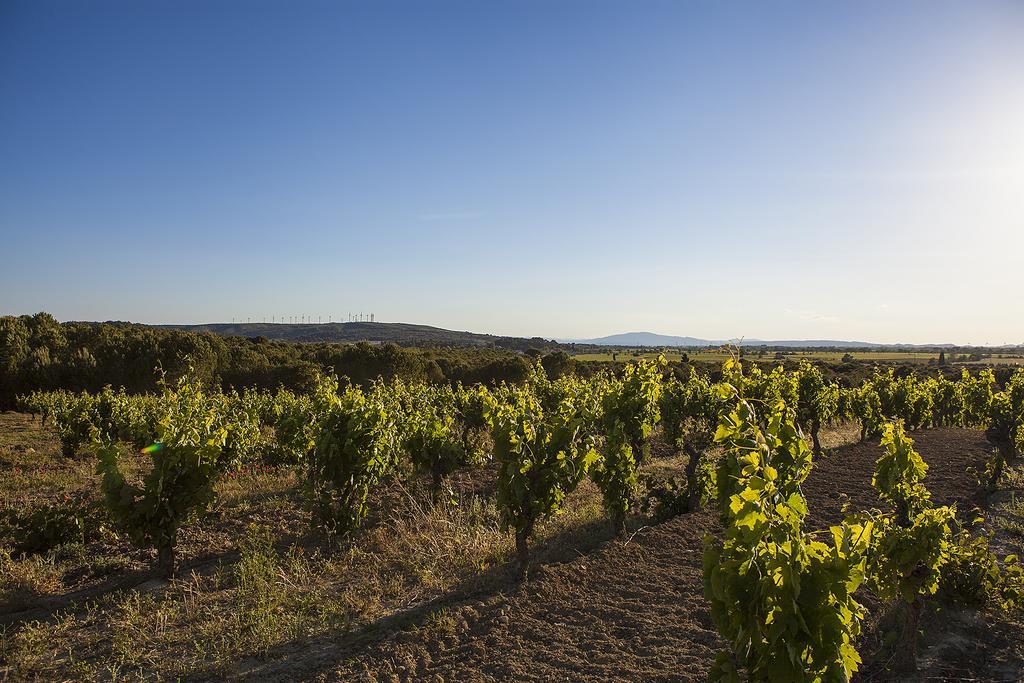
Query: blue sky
564	169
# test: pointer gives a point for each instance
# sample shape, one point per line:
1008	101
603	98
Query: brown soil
634	609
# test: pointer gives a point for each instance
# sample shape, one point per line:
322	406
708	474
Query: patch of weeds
261	595
277	598
1009	515
133	625
78	519
441	622
437	546
23	580
27	650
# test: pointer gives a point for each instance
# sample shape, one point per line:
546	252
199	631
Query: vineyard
750	524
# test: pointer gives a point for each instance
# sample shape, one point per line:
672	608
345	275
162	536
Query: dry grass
23	581
269	597
839	434
32	470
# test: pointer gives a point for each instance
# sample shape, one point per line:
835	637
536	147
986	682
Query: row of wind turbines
308	319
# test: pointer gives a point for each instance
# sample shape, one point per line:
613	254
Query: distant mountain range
634	339
406	334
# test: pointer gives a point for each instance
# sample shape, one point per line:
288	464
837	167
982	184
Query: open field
428	593
832	356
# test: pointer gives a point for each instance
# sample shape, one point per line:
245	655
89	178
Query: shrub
356	447
782	598
186	459
629	411
77	520
542	456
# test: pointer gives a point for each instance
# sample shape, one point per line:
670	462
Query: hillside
645	339
403	334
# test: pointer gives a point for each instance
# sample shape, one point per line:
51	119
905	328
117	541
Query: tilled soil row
633	610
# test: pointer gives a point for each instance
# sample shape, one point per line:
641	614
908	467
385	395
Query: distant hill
644	339
650	339
403	334
406	334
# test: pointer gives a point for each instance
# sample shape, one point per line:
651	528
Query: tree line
39	353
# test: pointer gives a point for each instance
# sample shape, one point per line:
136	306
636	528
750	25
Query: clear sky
564	169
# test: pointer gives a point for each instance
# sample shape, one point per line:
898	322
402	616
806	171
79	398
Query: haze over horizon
565	170
749	339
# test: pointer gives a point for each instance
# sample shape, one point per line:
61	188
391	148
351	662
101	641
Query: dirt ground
634	609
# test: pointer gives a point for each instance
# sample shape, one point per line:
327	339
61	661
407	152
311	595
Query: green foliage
616	476
355	448
79	519
817	401
42	403
295	427
866	406
782	598
674	409
240	416
689	410
542	453
667	497
629	411
972	574
911	547
977	396
1014	391
546	436
39	353
186	459
907	559
133	419
779	450
74	421
899	471
765	388
470	409
922	550
948	402
430	433
1005	428
664	497
1011	587
903	398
